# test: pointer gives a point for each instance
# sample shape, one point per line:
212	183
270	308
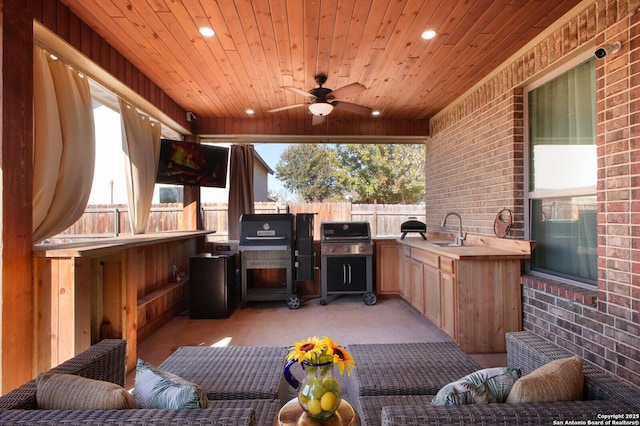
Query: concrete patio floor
346	319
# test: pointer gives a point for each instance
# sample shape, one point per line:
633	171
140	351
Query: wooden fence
103	221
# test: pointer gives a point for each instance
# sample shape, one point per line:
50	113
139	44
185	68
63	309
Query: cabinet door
432	294
405	273
448	304
417	286
388	272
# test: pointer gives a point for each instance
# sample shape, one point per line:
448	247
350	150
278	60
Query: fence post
116	222
374	222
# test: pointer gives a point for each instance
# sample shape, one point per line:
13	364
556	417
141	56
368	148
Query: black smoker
266	242
346	260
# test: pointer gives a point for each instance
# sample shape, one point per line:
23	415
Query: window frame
529	195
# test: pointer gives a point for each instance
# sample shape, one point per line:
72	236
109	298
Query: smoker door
305	257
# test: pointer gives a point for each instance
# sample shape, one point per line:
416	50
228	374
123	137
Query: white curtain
64	145
141	146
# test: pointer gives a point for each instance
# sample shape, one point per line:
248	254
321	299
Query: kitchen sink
444	243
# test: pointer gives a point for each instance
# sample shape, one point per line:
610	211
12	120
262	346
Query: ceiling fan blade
299	91
355	108
284	108
346	91
318	119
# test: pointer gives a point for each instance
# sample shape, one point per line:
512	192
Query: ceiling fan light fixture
321	108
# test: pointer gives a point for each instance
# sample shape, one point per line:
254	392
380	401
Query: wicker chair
106	361
403	403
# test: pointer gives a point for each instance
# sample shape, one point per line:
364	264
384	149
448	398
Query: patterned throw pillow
482	387
70	392
156	388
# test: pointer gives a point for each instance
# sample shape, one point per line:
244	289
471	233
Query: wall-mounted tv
194	164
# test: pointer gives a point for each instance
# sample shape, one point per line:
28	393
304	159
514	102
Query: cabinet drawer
425	257
447	265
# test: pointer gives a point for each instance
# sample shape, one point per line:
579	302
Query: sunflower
343	359
306	350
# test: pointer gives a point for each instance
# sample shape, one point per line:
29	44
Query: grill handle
265	238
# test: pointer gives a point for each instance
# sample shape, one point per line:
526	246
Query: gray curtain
240	186
64	145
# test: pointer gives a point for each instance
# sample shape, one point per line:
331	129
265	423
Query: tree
308	169
383	173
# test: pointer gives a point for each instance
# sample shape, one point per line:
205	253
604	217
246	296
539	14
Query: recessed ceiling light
206	31
428	35
376	113
250	111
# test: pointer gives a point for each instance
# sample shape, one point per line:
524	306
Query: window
562	174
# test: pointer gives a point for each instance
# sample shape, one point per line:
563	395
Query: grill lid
266	229
345	231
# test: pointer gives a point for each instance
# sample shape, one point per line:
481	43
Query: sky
270	153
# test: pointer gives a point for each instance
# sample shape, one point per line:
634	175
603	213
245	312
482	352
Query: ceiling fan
323	100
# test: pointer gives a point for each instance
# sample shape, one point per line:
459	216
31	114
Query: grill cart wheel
293	302
370	298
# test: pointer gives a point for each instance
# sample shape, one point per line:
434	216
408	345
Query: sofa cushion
155	388
56	391
559	380
481	387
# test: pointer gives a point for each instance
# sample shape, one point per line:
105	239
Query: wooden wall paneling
65	293
131	263
111	321
97	300
82	309
45	342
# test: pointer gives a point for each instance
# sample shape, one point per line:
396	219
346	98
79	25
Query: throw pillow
481	387
70	392
559	380
155	388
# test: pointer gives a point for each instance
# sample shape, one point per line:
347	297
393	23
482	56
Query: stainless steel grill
346	260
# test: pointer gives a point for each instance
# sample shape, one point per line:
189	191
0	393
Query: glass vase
318	393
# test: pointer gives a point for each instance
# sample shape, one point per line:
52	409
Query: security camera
191	117
603	51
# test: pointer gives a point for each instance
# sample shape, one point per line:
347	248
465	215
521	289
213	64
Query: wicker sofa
394	386
106	361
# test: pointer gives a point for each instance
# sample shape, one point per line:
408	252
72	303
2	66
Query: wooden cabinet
387	273
432	286
448	307
474	300
405	272
417	285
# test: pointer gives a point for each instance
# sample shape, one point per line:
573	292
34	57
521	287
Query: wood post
16	94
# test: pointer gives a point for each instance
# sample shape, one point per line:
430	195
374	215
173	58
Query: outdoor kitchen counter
472	292
122	287
106	245
477	248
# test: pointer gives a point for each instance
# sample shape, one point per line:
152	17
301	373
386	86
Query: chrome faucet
460	238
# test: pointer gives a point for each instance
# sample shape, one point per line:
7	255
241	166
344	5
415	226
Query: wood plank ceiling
261	45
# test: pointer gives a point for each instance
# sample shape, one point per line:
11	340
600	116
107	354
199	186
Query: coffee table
292	414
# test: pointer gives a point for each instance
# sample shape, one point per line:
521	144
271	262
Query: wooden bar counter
122	287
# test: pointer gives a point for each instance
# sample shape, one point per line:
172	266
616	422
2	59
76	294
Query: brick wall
475	167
